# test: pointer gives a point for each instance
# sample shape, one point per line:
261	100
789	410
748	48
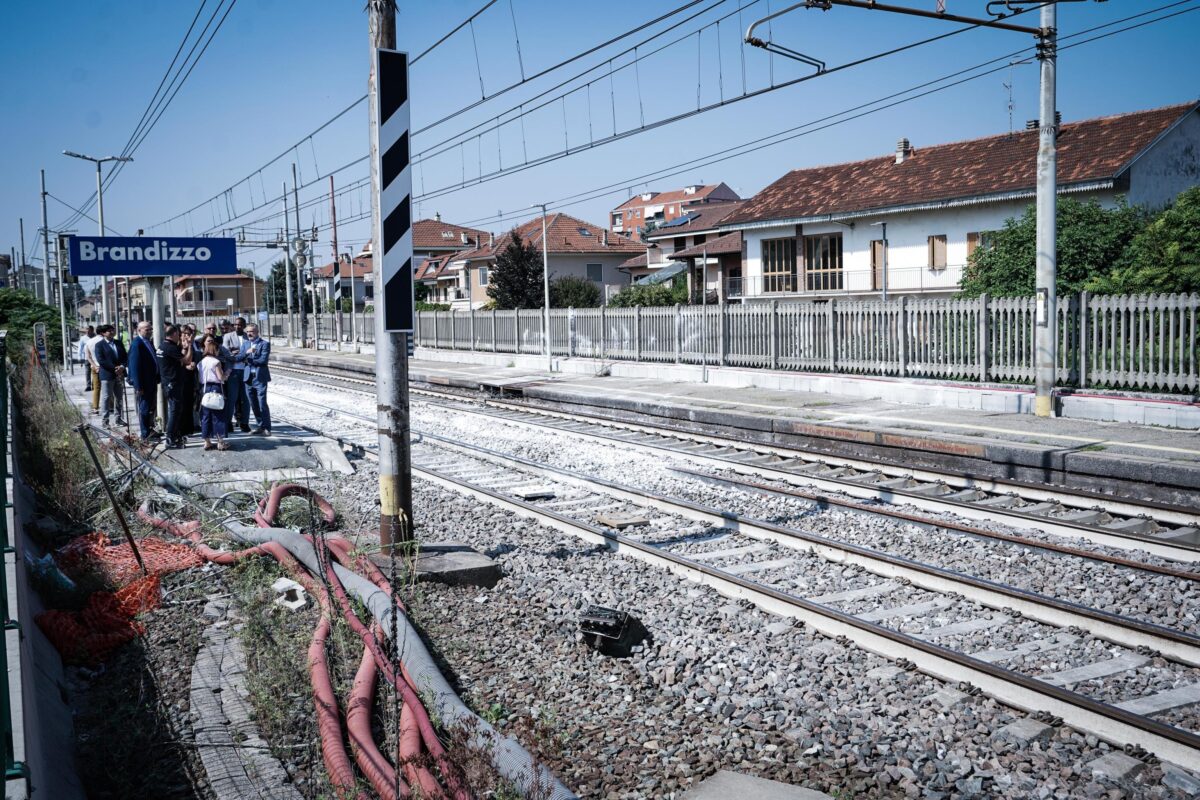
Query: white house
820	231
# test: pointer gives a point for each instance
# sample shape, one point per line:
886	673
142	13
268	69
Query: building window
483	276
680	243
595	273
779	265
937	251
699	238
985	240
878	257
823	262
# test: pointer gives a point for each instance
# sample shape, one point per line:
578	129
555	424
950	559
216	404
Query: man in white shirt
236	400
93	368
81	355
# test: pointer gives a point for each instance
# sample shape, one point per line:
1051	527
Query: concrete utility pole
287	268
300	263
396	520
46	249
546	284
22	272
1045	323
100	217
1047	206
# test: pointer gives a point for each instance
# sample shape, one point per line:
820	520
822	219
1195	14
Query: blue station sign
151	255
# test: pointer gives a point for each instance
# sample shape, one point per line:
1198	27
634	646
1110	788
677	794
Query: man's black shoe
245	427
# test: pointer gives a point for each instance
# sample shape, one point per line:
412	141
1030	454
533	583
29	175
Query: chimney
904	151
491	240
1034	124
604	237
437	215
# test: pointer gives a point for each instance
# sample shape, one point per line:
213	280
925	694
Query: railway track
1129	682
1170	532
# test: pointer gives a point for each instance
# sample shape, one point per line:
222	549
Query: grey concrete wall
1170	166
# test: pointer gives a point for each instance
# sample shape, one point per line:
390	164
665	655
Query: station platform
1143	461
289	453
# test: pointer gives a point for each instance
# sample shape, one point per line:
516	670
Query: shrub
574	292
652	294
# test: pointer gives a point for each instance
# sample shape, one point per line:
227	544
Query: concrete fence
1143	342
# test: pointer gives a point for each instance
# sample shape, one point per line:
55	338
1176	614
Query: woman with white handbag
212	397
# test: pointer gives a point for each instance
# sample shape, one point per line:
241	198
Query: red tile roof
657	259
1091	150
432	234
729	243
675	196
361	266
428	269
566	234
705	218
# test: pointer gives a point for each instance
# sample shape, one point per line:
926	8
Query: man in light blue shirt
236	400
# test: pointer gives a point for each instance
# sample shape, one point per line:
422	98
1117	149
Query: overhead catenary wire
498	93
837	118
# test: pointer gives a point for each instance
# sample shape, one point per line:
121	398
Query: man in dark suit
257	357
179	402
110	359
144	377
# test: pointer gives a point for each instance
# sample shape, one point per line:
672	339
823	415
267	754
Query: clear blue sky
77	75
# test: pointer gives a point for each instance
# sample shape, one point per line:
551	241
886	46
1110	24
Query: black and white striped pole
391	184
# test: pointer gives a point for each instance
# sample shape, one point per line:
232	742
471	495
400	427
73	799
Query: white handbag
213	401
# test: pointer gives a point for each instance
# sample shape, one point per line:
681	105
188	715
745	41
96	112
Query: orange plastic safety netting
107	621
116	562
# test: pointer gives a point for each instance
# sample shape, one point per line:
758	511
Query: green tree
516	280
1164	257
1091	241
652	294
276	300
574	292
19	310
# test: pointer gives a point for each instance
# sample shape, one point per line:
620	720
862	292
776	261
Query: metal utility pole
59	260
391	349
299	262
23	274
100	216
287	268
337	272
1045	324
546	285
1047	206
46	249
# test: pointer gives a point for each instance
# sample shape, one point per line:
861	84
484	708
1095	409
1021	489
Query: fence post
902	334
437	336
603	333
678	333
832	333
723	345
1084	324
570	333
472	330
637	332
774	334
982	331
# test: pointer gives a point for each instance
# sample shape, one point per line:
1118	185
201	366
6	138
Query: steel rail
1128	632
825	501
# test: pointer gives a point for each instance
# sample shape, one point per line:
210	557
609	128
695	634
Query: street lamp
100	214
546	285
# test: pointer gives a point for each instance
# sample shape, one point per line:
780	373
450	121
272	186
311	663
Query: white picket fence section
1143	342
1133	342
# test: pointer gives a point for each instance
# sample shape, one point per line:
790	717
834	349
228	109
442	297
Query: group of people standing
211	382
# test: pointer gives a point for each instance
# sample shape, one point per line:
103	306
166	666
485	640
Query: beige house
218	295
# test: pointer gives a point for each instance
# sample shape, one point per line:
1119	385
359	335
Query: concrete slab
907	610
885	673
732	552
726	785
1025	648
1181	780
856	594
758	566
967	626
451	563
1097	669
1024	731
1116	767
1163	701
947	697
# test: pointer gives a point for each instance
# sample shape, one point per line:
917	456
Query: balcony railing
847	281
